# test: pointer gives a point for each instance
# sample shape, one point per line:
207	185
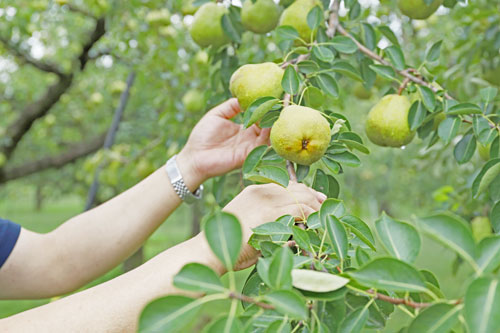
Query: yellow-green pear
253	81
158	17
296	16
387	122
484	151
300	134
117	87
260	17
194	100
188	8
144	168
437	120
418	9
361	92
206	29
481	227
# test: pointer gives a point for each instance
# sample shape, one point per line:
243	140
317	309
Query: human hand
258	204
217	145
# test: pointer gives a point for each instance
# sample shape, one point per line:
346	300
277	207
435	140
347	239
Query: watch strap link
178	182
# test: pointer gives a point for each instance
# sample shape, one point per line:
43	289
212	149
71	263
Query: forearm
115	306
91	243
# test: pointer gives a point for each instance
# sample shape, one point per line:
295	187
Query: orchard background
68	69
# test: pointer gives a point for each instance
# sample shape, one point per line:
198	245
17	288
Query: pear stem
291	171
403	86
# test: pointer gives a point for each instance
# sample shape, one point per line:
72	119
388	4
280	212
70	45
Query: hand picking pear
252	81
300	134
260	17
418	9
207	28
387	122
296	16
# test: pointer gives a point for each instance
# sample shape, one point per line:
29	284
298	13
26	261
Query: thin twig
333	21
403	85
397	301
251	300
291	171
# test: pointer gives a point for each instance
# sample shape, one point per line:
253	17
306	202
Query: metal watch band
180	187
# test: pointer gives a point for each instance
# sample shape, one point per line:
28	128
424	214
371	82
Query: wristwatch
180	187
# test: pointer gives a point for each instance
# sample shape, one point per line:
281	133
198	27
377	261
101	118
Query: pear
300	134
253	81
144	168
158	17
387	122
417	9
481	227
260	17
193	100
206	29
484	151
296	16
188	8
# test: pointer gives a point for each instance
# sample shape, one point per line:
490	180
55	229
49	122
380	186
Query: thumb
227	110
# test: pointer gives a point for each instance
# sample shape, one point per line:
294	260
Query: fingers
226	110
306	194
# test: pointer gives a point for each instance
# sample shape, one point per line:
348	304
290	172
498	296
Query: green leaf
387	32
302	172
226	324
400	239
333	166
465	148
320	182
171	313
353	141
314	97
230	28
338	236
428	97
286	32
434	52
396	56
347	158
362	257
464	108
384	71
224	236
438	318
301	237
489	254
331	207
315	281
279	326
289	303
390	274
495	217
482	305
258	109
308	67
198	278
280	269
327	83
272	228
488	173
269	174
315	17
344	44
263	270
416	115
360	229
355	321
313	221
452	232
254	158
488	94
345	68
333	187
448	128
290	81
370	39
323	53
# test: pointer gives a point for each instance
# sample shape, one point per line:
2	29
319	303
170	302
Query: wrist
190	174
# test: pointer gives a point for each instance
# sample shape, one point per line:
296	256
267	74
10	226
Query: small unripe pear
481	227
484	151
260	17
418	9
296	16
253	81
361	92
188	8
387	122
300	134
158	17
207	28
194	100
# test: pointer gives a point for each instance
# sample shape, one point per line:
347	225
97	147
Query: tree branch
73	153
398	301
79	10
251	300
40	107
26	58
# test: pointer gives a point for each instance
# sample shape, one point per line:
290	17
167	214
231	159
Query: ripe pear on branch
296	16
260	17
387	122
253	81
206	29
418	9
301	134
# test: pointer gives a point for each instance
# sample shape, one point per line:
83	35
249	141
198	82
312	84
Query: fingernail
322	196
